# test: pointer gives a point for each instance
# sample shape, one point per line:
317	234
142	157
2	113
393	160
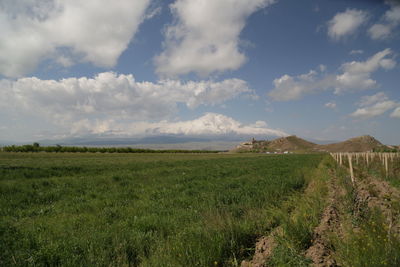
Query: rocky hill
295	144
290	143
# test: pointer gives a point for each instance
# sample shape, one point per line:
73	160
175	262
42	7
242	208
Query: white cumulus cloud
379	31
294	87
346	23
351	76
358	74
372	99
374	105
205	36
389	22
396	113
374	110
95	31
356	52
330	105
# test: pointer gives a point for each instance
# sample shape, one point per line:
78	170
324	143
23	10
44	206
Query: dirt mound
264	249
358	144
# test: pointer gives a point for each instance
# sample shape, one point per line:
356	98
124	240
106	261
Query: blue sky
319	69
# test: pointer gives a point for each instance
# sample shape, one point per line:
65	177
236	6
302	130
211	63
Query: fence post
386	164
351	168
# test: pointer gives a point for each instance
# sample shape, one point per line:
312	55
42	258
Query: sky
318	69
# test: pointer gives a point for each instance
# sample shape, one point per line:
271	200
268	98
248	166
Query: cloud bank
121	96
112	104
210	124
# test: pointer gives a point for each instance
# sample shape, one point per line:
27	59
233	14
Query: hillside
295	144
290	143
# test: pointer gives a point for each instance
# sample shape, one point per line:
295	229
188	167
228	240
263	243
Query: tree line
35	147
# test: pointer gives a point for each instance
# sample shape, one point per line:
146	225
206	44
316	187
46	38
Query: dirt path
320	252
265	246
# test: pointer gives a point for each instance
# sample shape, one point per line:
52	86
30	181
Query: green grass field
142	209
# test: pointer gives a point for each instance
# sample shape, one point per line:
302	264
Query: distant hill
290	143
357	144
296	144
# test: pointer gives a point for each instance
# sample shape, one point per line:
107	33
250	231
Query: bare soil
264	249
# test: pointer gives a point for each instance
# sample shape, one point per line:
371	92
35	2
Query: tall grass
148	210
299	216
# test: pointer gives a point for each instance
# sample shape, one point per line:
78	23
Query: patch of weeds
287	255
371	244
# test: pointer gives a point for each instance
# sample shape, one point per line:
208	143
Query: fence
386	158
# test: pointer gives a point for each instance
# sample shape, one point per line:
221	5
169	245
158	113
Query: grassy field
151	209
